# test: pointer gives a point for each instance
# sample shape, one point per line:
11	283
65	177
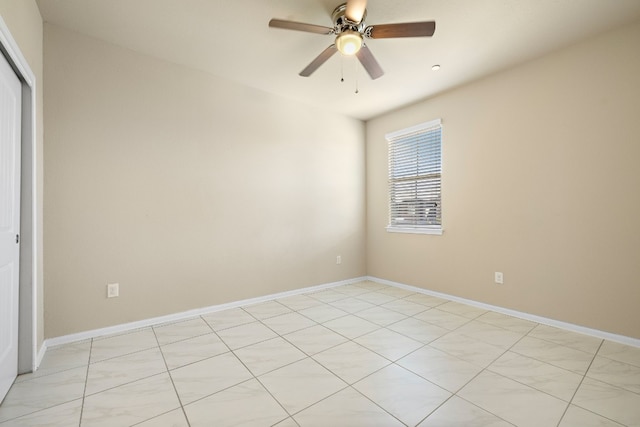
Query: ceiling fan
350	30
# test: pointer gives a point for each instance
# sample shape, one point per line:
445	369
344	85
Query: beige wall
541	180
186	189
25	23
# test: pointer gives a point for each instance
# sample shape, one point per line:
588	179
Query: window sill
415	230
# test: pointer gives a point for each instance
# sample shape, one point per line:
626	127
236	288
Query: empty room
320	213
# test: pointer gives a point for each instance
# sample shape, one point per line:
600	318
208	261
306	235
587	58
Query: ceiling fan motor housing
341	23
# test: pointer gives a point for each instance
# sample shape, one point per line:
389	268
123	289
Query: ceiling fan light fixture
349	42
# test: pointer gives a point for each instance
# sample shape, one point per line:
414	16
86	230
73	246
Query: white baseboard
635	342
127	327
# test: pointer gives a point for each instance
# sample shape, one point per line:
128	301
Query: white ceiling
231	39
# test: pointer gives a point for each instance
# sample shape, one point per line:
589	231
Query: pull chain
356	73
342	68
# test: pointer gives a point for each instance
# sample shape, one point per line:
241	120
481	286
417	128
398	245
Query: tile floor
356	355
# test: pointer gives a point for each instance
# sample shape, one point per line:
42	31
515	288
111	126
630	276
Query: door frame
28	353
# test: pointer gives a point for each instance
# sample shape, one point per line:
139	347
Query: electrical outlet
499	278
113	290
338	259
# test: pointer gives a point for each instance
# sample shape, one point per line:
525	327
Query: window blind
415	166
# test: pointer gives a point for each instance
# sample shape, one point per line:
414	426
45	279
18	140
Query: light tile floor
356	355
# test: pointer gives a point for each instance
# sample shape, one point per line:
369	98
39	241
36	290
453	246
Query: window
415	164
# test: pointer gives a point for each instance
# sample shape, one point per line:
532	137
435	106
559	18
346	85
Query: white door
10	124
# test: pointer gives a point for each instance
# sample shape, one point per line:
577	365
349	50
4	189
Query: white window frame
396	137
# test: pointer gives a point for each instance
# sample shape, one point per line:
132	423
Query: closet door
10	125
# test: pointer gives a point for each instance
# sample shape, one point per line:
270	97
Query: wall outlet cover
113	290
